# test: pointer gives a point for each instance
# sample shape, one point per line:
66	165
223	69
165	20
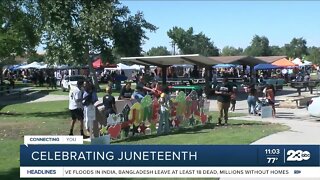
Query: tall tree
76	29
129	35
190	43
314	54
158	51
18	32
277	51
259	47
231	51
297	48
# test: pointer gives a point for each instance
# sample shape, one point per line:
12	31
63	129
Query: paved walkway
303	127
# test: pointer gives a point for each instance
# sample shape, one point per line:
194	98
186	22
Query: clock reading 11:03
272	151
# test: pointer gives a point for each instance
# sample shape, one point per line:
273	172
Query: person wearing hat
126	91
109	102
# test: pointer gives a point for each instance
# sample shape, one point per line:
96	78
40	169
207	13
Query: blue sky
232	23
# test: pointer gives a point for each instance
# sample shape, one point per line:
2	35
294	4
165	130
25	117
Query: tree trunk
1	74
92	72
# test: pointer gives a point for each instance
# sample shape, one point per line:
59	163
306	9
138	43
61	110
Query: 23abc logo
298	155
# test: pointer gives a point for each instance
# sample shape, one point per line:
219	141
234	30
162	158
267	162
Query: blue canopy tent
265	67
15	67
224	66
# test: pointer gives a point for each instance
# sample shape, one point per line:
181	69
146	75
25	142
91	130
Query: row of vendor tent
37	65
281	63
33	65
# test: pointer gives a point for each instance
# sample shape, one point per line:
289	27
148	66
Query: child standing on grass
233	100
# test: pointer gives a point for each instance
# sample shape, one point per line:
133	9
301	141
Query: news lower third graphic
59	158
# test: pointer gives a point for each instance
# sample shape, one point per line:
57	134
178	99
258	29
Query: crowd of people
226	94
82	101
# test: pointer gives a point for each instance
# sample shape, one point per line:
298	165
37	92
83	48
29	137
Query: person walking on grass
75	107
233	98
270	95
223	93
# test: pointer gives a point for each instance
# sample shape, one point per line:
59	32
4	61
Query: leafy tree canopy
190	43
297	48
259	47
231	51
158	51
18	31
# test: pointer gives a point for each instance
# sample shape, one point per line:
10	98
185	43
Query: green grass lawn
51	118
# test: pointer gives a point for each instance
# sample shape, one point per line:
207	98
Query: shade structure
283	63
265	67
224	66
161	61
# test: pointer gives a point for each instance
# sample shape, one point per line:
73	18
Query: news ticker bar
170	155
169	172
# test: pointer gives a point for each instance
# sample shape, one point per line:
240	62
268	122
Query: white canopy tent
120	66
34	65
299	62
128	70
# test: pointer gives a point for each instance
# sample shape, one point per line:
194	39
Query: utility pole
173	44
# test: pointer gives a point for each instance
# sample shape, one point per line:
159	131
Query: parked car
314	106
69	81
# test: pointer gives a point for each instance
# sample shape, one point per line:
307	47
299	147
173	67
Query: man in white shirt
75	107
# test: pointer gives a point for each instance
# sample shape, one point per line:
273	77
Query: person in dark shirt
126	91
109	102
223	93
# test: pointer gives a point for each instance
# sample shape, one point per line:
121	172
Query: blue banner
169	155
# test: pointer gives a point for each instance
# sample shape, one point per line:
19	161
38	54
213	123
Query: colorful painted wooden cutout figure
203	118
188	107
143	128
113	119
173	107
125	125
181	104
192	121
194	102
135	129
176	122
135	114
114	131
153	127
155	110
125	113
146	107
